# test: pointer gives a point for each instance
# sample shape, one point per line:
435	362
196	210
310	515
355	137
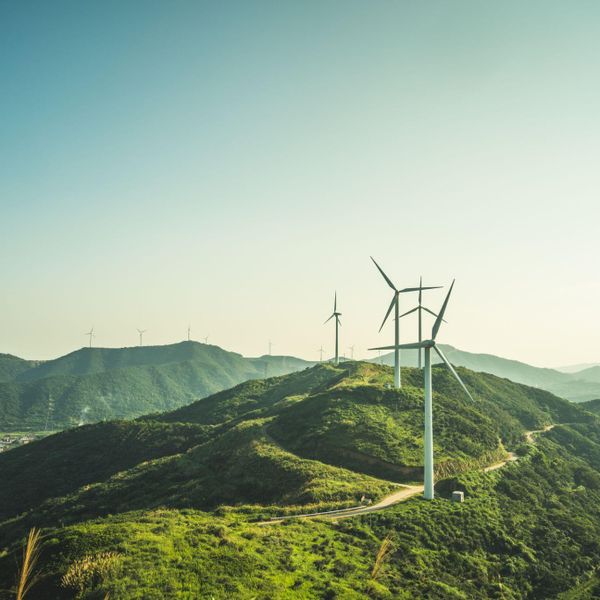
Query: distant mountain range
577	387
577	368
95	384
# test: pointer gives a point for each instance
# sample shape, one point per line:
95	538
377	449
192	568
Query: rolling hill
94	384
577	387
172	500
12	366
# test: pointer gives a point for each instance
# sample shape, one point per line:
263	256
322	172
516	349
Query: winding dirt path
404	493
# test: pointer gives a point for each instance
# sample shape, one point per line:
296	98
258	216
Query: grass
27	574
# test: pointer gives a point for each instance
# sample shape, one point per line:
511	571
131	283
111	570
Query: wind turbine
421	308
205	339
337	316
189	331
351	348
91	334
321	353
395	304
141	332
427	345
270	347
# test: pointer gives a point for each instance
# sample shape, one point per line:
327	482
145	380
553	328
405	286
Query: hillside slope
13	366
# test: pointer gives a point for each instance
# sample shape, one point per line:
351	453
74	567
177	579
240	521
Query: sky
229	165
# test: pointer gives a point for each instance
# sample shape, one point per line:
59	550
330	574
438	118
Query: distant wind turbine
395	304
420	308
141	332
270	347
91	334
205	339
337	316
189	332
351	348
427	345
321	353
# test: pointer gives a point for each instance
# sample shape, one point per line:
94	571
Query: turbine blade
412	346
452	369
440	318
412	310
389	310
418	289
429	311
432	313
338	321
331	317
384	275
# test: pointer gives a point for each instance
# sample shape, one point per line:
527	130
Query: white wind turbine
420	308
427	345
395	304
321	353
337	316
141	332
91	334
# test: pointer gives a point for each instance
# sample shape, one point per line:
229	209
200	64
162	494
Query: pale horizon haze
231	165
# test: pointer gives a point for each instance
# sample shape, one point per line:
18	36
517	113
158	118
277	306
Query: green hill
94	384
577	387
592	406
13	366
590	374
176	496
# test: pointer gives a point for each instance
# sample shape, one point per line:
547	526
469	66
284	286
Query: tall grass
31	553
385	551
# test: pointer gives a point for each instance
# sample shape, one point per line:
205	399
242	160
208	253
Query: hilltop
94	384
12	366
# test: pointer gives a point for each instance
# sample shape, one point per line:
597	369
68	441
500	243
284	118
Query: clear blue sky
230	164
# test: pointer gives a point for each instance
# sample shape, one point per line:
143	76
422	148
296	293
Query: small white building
458	496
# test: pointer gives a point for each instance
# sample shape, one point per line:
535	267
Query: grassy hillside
528	531
592	406
94	384
12	366
175	497
576	387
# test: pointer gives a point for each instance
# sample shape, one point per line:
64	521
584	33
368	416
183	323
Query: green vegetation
96	384
12	366
170	506
592	405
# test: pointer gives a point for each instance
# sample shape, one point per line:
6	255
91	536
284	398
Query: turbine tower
337	316
189	332
420	308
395	304
427	345
91	334
270	347
141	332
351	348
321	353
205	339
